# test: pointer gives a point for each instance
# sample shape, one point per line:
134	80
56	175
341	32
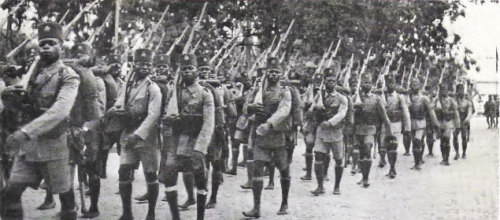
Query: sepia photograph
249	109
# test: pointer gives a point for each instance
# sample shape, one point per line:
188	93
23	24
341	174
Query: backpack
296	111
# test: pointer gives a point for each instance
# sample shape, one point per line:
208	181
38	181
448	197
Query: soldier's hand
254	108
15	141
131	141
263	129
170	118
325	124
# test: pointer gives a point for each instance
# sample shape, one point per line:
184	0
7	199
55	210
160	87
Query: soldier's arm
231	107
207	129
283	110
383	112
61	108
341	113
455	112
406	113
154	112
91	106
430	111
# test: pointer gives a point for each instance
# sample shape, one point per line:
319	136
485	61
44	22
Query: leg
382	152
365	157
68	206
319	171
326	165
216	181
430	140
188	179
236	153
417	152
257	186
456	132
465	139
11	201
245	155
49	202
355	160
271	167
339	169
250	169
445	150
200	180
94	189
170	180
407	143
309	160
285	189
125	187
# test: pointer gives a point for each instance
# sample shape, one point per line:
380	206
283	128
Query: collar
192	88
140	82
53	65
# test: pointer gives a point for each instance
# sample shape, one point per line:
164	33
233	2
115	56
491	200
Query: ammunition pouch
395	116
365	118
76	145
463	115
444	115
187	124
417	114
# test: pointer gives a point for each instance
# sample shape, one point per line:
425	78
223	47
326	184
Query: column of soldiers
183	121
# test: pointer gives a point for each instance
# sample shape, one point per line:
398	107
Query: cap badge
46	28
186	58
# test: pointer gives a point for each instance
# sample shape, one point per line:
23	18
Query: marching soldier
329	134
272	117
399	116
464	106
368	111
349	134
189	135
448	118
429	131
40	146
421	111
141	100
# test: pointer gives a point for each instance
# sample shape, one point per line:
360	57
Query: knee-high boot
318	170
172	202
338	176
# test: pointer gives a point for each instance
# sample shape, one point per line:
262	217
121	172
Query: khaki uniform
46	155
144	109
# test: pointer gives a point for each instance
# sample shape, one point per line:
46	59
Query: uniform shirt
464	106
144	104
396	103
55	87
368	113
336	106
448	111
101	91
420	109
277	97
196	100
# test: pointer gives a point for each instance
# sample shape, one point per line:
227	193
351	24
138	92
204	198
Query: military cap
329	72
335	65
188	60
203	61
273	63
415	80
460	86
114	59
81	48
389	78
162	59
143	55
50	30
353	78
260	71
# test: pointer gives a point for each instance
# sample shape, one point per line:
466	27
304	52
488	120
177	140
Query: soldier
40	146
429	131
420	111
368	111
399	116
224	108
189	135
329	137
141	100
465	112
448	118
239	132
349	137
271	118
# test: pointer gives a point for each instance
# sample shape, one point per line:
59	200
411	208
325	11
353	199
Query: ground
467	189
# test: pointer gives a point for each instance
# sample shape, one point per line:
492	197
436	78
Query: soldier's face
189	74
204	72
273	76
391	85
115	69
162	69
143	69
460	91
415	86
330	83
366	85
50	49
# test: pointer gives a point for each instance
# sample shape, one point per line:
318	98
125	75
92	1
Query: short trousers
56	173
148	156
337	148
277	155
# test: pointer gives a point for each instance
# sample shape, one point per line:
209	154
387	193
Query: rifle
98	30
426	76
221	49
77	17
63	17
411	72
159	43
273	54
155	28
177	41
403	76
13	11
224	57
357	98
196	25
440	80
196	46
348	72
320	65
334	54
